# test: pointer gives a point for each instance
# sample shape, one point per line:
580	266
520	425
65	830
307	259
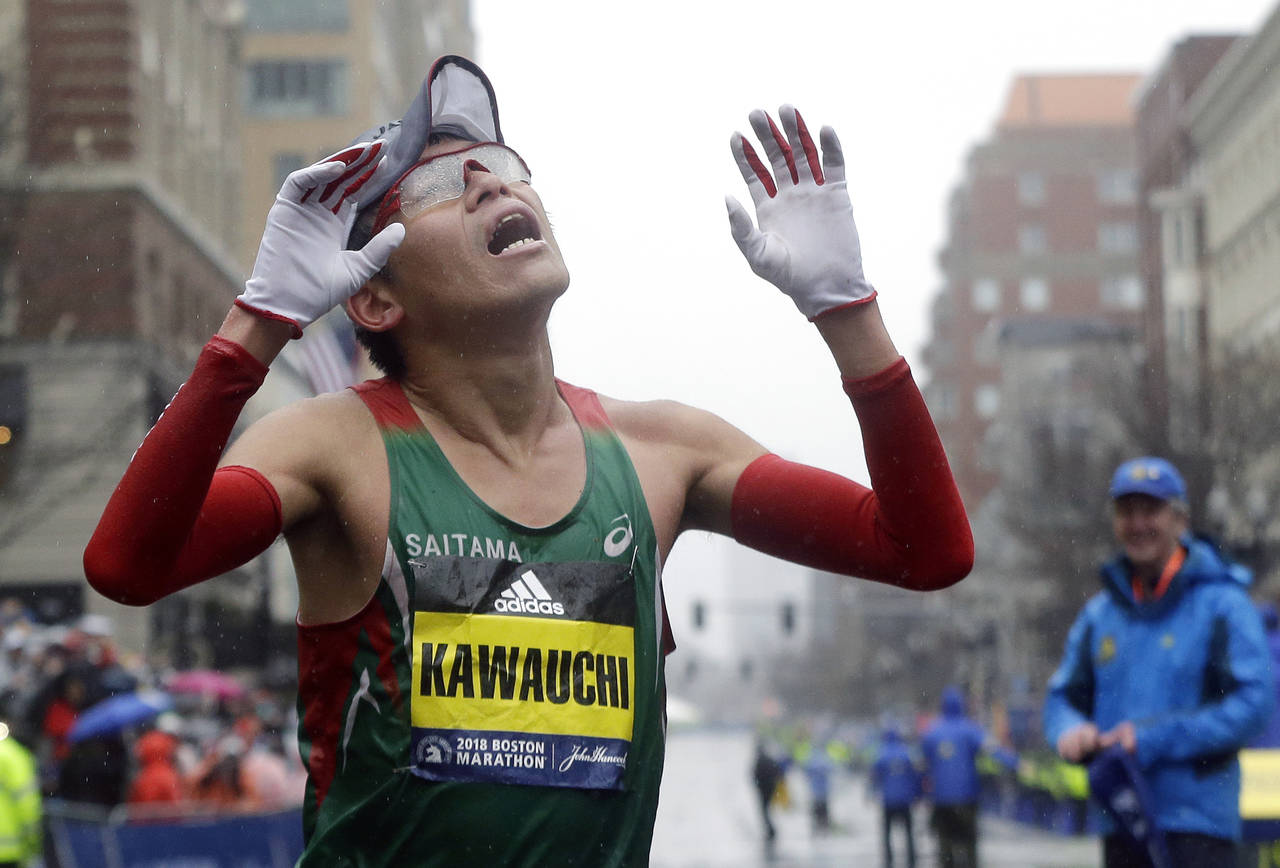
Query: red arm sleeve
172	521
909	529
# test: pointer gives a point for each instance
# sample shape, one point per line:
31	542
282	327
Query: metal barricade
85	836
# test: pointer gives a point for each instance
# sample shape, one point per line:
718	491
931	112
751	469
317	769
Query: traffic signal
788	618
699	615
13	416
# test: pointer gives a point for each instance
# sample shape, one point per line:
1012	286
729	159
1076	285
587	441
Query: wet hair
362	229
383	352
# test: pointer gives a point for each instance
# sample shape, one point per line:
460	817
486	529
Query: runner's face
492	244
1148	529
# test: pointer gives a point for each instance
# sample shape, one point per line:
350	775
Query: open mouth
513	232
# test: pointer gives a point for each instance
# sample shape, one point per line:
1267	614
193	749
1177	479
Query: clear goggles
443	177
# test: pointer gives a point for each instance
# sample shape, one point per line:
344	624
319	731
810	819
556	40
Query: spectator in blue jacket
899	781
1170	662
1270	735
951	747
1258	835
818	767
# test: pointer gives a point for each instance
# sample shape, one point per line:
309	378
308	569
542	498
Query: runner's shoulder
665	421
324	423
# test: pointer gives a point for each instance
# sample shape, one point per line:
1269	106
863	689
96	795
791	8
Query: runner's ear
374	307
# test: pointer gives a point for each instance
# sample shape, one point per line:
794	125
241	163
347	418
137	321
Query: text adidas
530	607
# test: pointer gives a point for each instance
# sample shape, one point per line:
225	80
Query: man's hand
807	243
1078	742
1124	734
303	269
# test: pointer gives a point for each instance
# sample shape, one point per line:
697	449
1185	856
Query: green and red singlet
499	701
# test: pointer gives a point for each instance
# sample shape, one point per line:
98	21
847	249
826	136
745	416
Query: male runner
478	545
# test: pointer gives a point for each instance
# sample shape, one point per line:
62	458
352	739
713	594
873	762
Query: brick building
1171	223
118	144
1041	226
141	144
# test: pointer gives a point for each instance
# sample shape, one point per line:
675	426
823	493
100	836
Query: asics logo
527	595
617	540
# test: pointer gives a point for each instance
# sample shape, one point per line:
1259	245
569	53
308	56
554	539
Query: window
1118	186
8	296
313	15
296	87
1031	188
1032	240
986	400
986	294
986	347
1118	237
283	163
148	48
1033	293
1181	234
1121	291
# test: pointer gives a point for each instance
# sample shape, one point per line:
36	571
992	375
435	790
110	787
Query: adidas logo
527	595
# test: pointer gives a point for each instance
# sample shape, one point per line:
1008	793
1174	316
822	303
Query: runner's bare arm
324	458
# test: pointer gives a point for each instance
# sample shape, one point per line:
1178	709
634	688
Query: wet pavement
708	818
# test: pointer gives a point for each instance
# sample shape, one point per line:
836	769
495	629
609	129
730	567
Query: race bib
522	673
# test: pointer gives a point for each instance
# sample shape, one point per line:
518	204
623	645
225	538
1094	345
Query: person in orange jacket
157	781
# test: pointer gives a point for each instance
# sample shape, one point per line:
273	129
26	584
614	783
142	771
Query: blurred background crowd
116	731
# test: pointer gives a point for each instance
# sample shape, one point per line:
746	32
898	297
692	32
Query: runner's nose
471	166
480	183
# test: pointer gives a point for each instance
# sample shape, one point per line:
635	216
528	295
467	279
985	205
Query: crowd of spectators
229	749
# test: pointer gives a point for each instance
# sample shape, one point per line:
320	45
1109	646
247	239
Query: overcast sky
624	113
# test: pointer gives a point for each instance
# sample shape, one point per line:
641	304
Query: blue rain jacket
1270	735
1190	670
951	747
895	774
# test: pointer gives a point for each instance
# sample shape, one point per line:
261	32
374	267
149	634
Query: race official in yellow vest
19	803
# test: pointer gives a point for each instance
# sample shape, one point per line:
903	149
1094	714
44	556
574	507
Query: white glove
303	269
807	244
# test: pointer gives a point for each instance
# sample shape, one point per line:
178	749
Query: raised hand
303	269
806	243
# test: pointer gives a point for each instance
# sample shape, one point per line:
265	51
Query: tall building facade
1043	225
1171	221
1234	126
1231	195
118	146
141	144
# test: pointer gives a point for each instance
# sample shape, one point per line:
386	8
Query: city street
708	819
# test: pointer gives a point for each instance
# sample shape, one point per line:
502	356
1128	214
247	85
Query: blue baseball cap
1151	476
